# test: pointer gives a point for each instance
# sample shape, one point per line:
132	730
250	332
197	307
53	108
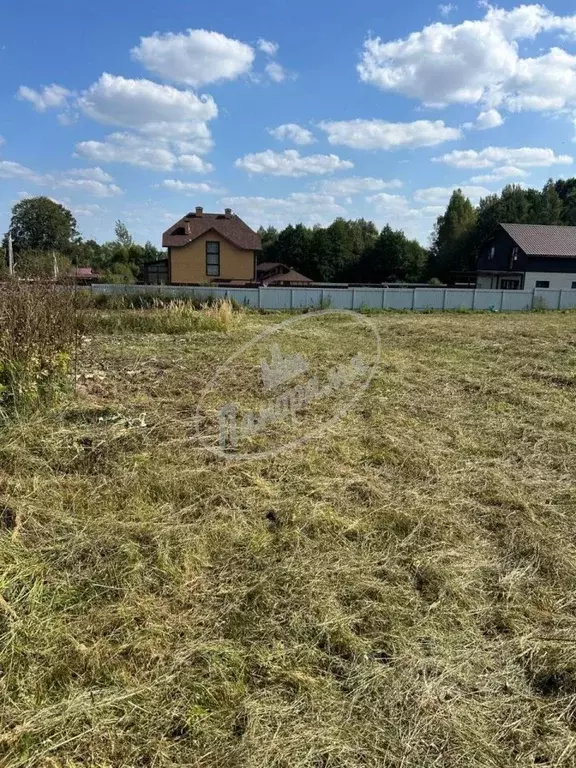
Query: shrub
37	331
161	316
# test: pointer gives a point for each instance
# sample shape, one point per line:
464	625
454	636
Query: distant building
84	275
274	273
528	256
211	248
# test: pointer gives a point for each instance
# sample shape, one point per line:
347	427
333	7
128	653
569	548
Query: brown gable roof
231	227
543	239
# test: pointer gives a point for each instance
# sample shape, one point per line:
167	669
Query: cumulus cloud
89	186
12	170
440	195
275	72
140	104
491	118
91	181
95	174
355	185
195	164
379	134
131	149
390	205
491	156
48	97
194	57
292	132
308	208
268	47
499	174
291	163
189	187
477	62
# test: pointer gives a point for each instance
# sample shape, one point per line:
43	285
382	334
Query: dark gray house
528	256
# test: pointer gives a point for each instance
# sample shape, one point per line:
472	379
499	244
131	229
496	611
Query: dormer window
178	231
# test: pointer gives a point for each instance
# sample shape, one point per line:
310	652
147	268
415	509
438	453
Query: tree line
44	231
353	251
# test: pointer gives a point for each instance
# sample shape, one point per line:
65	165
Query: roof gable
232	228
543	239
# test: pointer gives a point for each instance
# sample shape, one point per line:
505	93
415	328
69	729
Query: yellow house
209	248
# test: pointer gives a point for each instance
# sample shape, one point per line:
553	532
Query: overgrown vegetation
161	316
37	333
398	593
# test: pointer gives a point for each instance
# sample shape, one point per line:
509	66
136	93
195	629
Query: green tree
40	224
452	248
123	237
551	208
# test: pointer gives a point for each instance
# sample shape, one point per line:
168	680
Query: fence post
474	299
353	297
559	299
384	298
413	297
259	302
291	298
322	298
533	297
501	301
444	299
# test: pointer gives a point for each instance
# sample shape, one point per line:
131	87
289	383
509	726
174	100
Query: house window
492	252
212	258
509	285
574	285
542	283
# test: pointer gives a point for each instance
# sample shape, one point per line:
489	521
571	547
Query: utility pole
55	262
10	255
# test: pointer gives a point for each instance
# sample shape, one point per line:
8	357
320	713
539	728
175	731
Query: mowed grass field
399	592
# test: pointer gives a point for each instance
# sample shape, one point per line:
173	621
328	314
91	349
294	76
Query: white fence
363	298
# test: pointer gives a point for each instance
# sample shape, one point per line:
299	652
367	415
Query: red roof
230	227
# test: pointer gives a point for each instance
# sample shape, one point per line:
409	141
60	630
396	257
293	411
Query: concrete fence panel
428	298
458	299
361	298
516	300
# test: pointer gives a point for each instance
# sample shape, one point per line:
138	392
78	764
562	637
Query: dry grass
398	593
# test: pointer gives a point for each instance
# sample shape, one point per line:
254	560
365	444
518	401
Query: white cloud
379	134
292	132
131	149
2	140
390	205
195	164
150	152
175	185
491	156
439	195
48	97
268	47
194	57
290	163
96	174
355	185
275	72
12	170
141	104
491	118
308	208
90	187
498	174
447	8
79	179
477	61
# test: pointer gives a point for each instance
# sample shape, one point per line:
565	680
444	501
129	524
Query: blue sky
285	111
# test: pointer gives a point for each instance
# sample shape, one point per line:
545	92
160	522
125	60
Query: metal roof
543	239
